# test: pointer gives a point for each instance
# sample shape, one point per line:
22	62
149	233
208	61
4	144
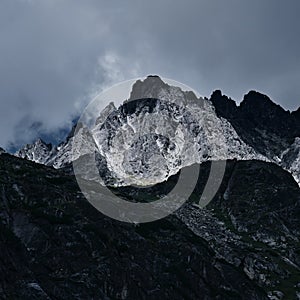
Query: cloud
54	55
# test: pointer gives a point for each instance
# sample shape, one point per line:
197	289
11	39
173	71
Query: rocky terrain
174	129
244	245
55	245
265	126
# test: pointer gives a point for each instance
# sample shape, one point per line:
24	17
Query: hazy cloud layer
54	54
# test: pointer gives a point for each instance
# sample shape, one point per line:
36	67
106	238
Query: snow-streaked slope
146	141
38	152
290	159
64	153
58	156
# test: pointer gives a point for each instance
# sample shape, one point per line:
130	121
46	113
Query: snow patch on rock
150	137
290	159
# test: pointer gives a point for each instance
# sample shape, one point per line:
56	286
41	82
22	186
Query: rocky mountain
265	126
173	129
146	140
55	245
38	152
244	245
56	156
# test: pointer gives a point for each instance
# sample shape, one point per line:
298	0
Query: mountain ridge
243	245
258	123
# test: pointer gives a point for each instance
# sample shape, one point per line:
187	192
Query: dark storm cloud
55	54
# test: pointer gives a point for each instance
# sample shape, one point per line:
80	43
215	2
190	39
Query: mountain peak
254	93
223	104
259	99
216	94
153	76
263	110
148	88
154	87
38	152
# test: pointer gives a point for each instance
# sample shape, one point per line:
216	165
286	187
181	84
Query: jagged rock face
290	159
69	150
54	245
2	151
38	152
146	140
262	124
267	127
269	115
61	155
162	129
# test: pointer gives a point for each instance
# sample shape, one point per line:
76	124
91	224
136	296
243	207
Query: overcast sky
56	54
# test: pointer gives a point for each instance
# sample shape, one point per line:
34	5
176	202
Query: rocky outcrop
261	123
39	152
